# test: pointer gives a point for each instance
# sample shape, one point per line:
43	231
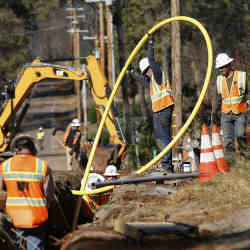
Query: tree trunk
144	106
119	29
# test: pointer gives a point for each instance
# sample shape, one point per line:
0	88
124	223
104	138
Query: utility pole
76	52
75	41
101	36
102	42
176	65
84	104
109	43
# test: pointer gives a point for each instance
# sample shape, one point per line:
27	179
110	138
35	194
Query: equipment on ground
162	177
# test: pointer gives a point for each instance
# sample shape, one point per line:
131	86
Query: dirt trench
219	209
194	204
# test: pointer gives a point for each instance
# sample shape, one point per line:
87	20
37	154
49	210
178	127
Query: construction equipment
100	92
123	181
37	71
30	75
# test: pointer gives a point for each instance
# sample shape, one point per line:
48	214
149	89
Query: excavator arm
99	87
36	71
31	74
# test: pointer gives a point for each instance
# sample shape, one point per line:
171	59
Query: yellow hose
203	92
118	82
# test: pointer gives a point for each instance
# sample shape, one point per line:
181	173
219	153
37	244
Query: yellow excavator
37	71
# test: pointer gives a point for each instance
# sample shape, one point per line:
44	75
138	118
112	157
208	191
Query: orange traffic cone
208	166
218	150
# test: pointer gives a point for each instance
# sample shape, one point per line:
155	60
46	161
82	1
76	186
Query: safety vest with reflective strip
40	135
161	95
233	100
71	137
26	205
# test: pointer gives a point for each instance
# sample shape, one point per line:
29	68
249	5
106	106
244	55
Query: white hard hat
93	178
111	170
144	64
222	59
75	123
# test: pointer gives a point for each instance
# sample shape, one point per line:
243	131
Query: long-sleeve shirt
72	137
155	68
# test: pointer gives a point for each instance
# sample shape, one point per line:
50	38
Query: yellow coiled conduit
118	82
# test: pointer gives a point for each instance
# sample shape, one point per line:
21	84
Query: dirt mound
187	201
218	208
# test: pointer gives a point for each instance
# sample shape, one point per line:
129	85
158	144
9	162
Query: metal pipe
145	179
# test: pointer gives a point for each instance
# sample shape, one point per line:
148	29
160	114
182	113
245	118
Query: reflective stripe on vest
34	202
25	176
28	206
233	100
161	95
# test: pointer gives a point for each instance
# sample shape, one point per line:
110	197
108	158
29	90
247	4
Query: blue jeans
162	126
34	237
234	126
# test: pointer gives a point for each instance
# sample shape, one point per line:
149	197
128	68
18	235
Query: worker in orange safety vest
30	189
233	98
72	141
154	78
40	137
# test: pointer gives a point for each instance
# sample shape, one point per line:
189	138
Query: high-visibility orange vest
26	204
161	95
67	135
233	100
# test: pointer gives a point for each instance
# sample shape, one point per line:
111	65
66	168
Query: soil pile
219	208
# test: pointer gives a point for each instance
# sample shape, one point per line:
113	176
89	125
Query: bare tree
119	29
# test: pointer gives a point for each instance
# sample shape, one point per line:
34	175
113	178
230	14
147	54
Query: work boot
167	169
168	172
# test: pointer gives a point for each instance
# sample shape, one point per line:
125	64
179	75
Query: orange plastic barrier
218	151
208	166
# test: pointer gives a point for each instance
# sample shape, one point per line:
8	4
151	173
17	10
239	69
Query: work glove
129	70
